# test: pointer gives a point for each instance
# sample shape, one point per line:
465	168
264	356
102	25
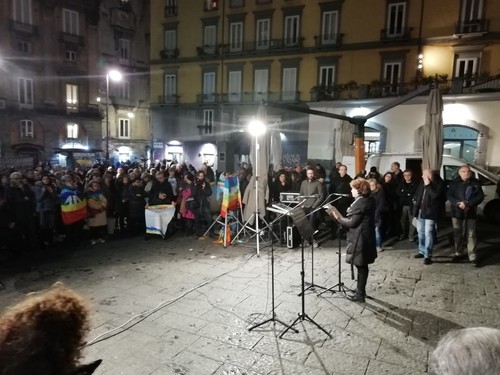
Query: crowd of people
42	206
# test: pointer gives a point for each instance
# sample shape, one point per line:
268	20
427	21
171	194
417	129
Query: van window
450	172
484	180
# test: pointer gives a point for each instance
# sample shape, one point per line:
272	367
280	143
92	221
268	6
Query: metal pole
257	193
107	117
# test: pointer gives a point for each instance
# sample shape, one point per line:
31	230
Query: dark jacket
406	192
380	208
427	201
136	201
201	194
360	219
160	188
468	191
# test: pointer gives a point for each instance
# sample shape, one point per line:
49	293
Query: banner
158	218
231	196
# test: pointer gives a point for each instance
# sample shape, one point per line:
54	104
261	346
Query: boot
356	297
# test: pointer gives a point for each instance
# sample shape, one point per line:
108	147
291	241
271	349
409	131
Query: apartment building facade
54	56
214	62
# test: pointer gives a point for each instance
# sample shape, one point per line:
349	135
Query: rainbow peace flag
73	206
231	197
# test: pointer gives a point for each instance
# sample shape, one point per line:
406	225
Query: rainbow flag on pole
73	206
231	197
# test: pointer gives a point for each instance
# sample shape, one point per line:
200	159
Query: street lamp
256	128
115	76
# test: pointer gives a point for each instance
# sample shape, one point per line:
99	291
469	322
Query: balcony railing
472	26
122	19
169	53
387	35
168	99
328	40
170	11
252	47
71	39
23	27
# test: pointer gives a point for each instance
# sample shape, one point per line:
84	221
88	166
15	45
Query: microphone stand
341	286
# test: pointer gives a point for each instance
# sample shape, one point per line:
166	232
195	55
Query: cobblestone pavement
198	300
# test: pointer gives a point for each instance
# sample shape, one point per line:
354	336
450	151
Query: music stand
340	284
306	231
312	285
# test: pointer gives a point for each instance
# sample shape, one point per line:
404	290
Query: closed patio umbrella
433	132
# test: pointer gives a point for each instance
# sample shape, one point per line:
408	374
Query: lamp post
116	76
257	128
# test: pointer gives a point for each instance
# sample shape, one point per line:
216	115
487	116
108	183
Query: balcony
211	98
71	39
390	35
169	53
476	26
170	11
168	99
328	40
264	46
23	28
208	50
17	139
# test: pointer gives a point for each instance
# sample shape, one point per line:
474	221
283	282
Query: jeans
378	235
425	229
467	233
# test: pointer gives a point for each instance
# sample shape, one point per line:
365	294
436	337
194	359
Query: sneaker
356	298
457	258
315	244
380	249
427	261
93	242
101	240
475	263
418	256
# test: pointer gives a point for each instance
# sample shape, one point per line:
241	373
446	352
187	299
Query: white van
448	171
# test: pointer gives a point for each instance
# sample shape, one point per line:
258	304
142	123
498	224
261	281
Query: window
327	76
209	39
23	46
236	36
289	86
471	16
70	55
25	93
125	90
396	14
209	87
292	30
234	86
21	11
71	97
70	22
26	129
124	131
392	77
466	68
236	3
170	88
170	42
208	120
124	50
261	84
211	5
263	33
329	27
72	131
170	8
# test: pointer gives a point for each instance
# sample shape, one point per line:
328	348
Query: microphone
308	196
341	195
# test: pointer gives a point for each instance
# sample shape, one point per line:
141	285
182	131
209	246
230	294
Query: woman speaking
361	246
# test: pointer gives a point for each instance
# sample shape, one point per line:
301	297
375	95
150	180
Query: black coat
428	204
360	219
469	191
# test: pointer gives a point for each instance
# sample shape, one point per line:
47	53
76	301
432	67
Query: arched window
26	129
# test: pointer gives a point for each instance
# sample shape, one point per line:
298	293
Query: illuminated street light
115	76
